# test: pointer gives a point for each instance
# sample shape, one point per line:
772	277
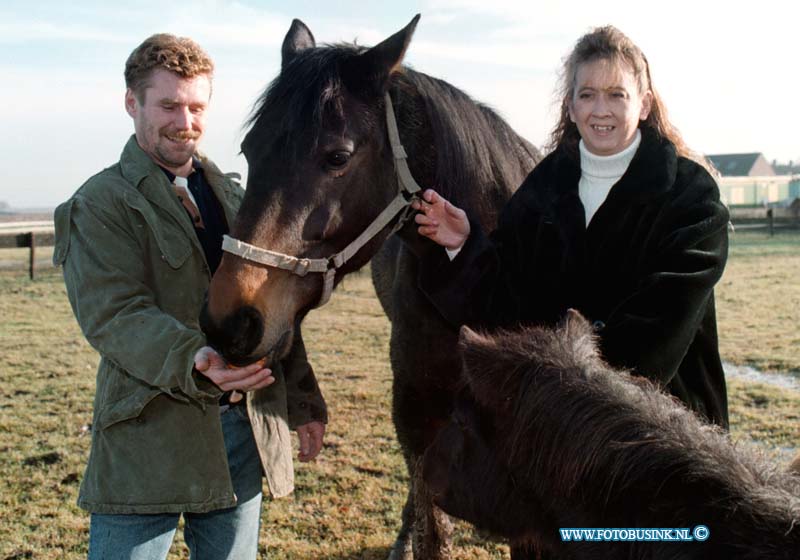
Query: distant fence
35	234
27	234
769	218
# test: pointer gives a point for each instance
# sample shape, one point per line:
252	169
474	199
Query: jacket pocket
171	239
126	408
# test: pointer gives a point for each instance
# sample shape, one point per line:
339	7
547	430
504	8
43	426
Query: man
171	433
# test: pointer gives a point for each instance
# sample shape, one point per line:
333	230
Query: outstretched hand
228	378
440	221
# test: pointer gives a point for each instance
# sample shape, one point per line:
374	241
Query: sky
728	71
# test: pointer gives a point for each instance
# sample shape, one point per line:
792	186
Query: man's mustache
183	134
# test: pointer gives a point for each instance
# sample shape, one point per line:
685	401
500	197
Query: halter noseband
407	188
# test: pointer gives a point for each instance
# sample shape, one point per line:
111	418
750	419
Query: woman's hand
440	221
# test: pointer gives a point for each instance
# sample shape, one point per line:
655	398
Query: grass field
348	502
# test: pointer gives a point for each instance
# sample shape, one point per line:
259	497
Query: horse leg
425	526
433	530
424	375
426	531
384	269
402	548
529	552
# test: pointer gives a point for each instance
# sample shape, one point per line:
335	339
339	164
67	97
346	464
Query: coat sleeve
116	309
651	330
488	282
304	399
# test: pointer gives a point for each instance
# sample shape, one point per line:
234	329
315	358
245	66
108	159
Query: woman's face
607	106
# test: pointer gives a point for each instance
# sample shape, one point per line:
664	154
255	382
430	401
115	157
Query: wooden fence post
771	222
32	245
30	235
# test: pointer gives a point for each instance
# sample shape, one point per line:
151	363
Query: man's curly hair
179	55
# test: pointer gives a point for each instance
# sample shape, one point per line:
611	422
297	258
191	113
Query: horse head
320	171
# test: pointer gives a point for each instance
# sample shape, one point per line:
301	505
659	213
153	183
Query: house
750	180
791	168
742	165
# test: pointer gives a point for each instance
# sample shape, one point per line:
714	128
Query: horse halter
407	188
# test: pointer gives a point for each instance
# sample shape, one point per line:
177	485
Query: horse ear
488	369
794	467
298	38
580	336
373	67
575	324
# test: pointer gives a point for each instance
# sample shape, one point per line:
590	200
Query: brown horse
321	169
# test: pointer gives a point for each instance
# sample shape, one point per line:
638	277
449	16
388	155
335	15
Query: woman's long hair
609	43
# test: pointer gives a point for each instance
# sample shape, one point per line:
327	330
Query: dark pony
548	436
320	170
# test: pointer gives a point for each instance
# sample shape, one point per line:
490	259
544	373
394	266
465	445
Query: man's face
171	118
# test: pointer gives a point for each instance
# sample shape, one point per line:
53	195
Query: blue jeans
225	534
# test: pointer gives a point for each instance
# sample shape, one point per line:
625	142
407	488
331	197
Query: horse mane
296	101
480	160
584	429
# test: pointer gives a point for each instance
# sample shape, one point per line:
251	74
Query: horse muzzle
237	337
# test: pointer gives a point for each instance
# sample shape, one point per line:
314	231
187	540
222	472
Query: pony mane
621	432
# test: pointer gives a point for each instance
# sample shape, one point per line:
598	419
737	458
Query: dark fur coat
643	272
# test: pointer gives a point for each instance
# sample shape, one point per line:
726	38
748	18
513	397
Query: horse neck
416	134
456	146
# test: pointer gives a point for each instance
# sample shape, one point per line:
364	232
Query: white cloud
33	30
727	71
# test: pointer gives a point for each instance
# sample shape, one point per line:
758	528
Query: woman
617	222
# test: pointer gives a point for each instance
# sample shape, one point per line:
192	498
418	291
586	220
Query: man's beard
169	156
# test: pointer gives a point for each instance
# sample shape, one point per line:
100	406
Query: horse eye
337	160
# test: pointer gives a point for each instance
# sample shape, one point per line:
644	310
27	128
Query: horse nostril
239	334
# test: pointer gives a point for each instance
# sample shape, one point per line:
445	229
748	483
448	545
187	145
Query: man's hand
247	378
310	435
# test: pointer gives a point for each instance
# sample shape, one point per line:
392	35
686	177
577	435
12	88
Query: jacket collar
147	177
651	172
171	176
220	185
150	180
136	165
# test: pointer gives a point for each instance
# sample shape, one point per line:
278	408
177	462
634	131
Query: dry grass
348	502
758	302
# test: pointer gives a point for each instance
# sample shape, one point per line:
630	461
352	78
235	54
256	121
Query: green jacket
136	278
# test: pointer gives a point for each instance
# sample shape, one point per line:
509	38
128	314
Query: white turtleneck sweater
600	173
